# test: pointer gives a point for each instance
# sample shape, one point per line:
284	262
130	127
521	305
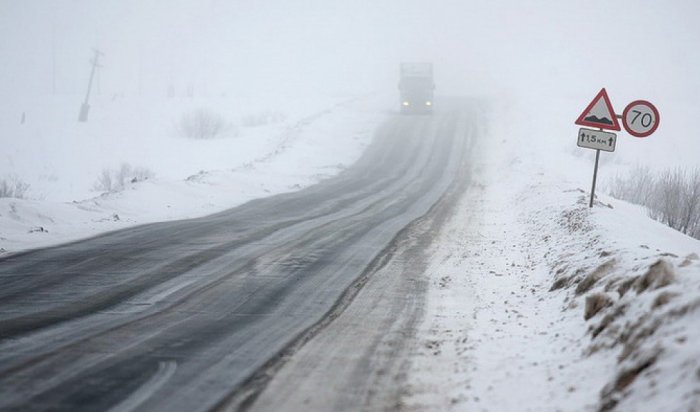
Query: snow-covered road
178	315
517	298
448	269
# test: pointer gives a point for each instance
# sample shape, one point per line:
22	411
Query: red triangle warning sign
599	113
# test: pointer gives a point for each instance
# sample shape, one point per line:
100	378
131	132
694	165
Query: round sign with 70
640	118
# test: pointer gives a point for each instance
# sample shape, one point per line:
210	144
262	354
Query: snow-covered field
536	302
539	303
300	141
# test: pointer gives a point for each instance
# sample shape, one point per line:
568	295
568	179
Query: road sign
640	118
596	139
599	113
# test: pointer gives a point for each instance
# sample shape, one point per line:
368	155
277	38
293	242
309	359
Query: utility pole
99	81
85	108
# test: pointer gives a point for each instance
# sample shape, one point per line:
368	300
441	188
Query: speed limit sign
640	118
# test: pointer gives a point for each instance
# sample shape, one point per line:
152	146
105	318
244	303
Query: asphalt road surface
184	316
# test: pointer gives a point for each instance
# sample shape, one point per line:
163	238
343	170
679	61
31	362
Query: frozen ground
534	301
298	142
538	303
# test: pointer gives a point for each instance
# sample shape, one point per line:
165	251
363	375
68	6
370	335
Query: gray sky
291	45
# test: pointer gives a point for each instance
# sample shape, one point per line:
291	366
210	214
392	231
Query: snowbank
637	285
539	303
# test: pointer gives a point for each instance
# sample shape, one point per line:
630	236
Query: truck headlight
428	103
406	104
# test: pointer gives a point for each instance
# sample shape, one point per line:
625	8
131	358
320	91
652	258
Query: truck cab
416	87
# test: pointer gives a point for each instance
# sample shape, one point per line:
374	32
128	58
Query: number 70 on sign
640	118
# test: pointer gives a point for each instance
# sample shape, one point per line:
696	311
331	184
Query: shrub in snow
595	302
12	186
660	274
118	179
663	298
637	187
262	118
204	124
676	200
592	278
672	197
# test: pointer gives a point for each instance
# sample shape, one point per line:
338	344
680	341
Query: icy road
193	315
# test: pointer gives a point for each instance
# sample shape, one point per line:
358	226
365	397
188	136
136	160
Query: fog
545	60
205	106
221	46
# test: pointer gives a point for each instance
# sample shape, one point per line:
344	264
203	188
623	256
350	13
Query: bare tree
637	187
672	197
118	179
203	124
13	186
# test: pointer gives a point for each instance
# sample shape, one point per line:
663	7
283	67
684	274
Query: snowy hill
62	161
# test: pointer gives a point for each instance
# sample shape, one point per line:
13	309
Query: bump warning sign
599	113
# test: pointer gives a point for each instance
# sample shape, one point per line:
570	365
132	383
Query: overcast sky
292	45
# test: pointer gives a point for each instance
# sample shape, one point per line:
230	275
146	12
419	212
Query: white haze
553	55
646	47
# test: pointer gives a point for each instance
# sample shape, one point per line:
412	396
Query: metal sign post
599	113
597	140
640	119
595	176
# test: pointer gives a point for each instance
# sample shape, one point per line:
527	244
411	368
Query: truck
416	87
